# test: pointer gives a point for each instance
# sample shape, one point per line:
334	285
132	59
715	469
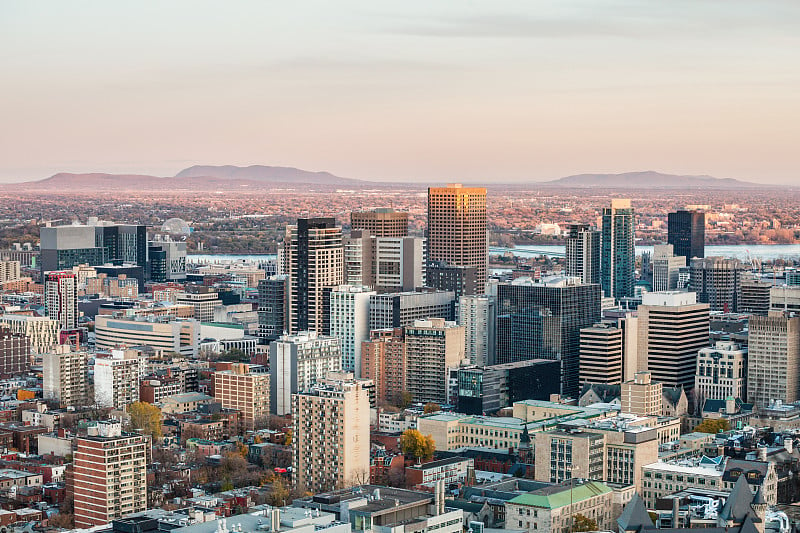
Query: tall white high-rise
583	253
349	322
477	314
61	298
666	266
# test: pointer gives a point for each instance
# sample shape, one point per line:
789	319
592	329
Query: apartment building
330	446
297	363
773	365
116	378
432	347
42	331
244	388
384	361
349	322
642	396
110	475
66	376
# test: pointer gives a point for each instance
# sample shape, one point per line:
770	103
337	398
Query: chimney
730	405
676	512
439	497
788	443
762	453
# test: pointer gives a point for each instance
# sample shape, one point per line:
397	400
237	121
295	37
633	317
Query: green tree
583	523
405	399
414	444
146	418
710	425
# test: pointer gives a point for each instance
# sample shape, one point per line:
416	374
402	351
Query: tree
62	521
146	418
431	407
414	444
405	399
279	493
710	425
583	523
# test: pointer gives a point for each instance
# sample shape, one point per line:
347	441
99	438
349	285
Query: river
739	251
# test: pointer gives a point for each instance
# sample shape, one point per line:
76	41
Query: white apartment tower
349	322
297	363
61	298
116	378
477	314
66	376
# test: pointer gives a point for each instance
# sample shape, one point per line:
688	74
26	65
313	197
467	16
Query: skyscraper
666	267
673	327
478	314
583	253
272	307
773	359
686	231
349	317
717	282
380	222
543	321
330	445
311	254
618	259
61	298
457	228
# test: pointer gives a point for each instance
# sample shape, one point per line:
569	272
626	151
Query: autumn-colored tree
257	439
279	494
431	407
146	418
583	523
287	440
414	444
710	425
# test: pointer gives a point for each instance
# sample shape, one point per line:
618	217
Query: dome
176	226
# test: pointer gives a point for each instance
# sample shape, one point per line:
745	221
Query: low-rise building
450	470
552	509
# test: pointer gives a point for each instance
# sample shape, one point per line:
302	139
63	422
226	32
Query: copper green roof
558	496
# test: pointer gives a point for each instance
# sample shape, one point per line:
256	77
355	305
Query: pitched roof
634	517
558	496
672	394
737	506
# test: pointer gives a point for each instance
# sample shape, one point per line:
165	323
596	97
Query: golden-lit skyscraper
457	230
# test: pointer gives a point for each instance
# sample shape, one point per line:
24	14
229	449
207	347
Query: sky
419	90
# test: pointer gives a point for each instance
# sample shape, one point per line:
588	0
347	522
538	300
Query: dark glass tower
618	260
544	320
686	232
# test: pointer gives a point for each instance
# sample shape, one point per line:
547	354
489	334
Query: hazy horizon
506	91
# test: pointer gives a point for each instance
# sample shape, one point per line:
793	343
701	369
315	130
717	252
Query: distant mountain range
260	177
650	179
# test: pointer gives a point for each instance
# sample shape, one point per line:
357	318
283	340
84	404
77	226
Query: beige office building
721	372
457	228
178	336
244	388
432	346
331	442
66	376
202	299
641	396
601	354
773	366
381	222
672	328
